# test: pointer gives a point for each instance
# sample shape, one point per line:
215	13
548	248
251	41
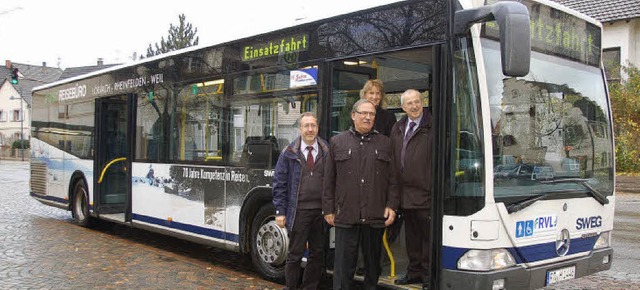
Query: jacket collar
425	120
294	147
358	134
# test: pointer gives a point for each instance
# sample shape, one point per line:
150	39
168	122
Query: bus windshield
551	129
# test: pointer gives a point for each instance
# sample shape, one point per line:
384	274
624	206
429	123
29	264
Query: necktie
407	136
310	160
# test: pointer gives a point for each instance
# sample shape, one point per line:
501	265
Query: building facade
15	100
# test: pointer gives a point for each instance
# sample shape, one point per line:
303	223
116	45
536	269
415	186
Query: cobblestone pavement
41	248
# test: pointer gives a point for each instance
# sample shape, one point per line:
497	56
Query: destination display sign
558	33
289	44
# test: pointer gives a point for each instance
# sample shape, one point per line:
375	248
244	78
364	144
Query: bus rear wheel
269	244
80	205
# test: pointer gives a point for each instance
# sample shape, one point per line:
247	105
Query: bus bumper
523	278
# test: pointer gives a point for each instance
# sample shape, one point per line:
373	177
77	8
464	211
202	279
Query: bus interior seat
260	152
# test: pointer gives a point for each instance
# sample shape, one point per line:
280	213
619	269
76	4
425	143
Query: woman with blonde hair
373	91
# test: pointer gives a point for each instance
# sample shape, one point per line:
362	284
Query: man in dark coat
412	140
297	197
356	197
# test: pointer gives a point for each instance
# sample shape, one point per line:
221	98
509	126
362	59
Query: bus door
347	81
112	175
398	71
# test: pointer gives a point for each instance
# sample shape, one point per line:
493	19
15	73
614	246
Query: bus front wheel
269	244
80	206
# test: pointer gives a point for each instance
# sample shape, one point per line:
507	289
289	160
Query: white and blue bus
185	143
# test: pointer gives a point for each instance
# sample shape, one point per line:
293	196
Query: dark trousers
308	226
348	239
417	229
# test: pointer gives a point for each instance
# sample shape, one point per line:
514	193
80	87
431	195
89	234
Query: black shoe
404	280
425	286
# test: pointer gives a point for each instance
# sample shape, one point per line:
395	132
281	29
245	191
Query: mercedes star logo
563	242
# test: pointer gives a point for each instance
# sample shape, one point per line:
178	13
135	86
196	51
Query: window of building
3	116
612	63
17	115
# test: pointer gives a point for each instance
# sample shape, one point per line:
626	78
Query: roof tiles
605	10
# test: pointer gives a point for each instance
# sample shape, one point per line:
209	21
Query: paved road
625	270
41	248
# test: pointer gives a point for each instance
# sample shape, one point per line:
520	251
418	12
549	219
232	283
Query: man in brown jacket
356	197
412	140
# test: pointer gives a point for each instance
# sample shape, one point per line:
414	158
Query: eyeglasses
309	125
370	114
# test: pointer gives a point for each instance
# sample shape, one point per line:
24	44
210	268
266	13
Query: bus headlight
603	241
486	260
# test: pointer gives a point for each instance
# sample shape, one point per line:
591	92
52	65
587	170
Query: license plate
557	275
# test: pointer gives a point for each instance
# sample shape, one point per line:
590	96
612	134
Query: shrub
20	144
625	104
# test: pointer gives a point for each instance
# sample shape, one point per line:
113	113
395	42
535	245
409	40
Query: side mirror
515	32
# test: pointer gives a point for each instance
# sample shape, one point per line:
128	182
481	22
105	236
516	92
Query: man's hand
281	220
390	215
329	218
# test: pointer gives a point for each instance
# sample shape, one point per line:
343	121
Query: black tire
269	244
80	205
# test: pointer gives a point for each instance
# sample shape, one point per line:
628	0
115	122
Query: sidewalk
11	159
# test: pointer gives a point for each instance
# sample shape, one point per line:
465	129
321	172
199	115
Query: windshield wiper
520	205
596	194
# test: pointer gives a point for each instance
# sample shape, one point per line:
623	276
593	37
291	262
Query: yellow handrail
392	261
107	166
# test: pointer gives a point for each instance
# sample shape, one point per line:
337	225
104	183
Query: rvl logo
526	228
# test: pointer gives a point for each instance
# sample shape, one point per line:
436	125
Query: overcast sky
76	33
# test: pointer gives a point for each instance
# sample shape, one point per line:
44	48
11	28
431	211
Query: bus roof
365	5
361	6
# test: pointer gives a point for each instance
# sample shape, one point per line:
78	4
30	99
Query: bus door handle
104	170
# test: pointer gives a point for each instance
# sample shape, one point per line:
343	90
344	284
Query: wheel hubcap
272	242
80	205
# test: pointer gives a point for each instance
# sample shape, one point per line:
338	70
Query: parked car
570	168
522	174
542	172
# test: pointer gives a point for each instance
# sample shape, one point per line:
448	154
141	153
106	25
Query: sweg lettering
589	222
